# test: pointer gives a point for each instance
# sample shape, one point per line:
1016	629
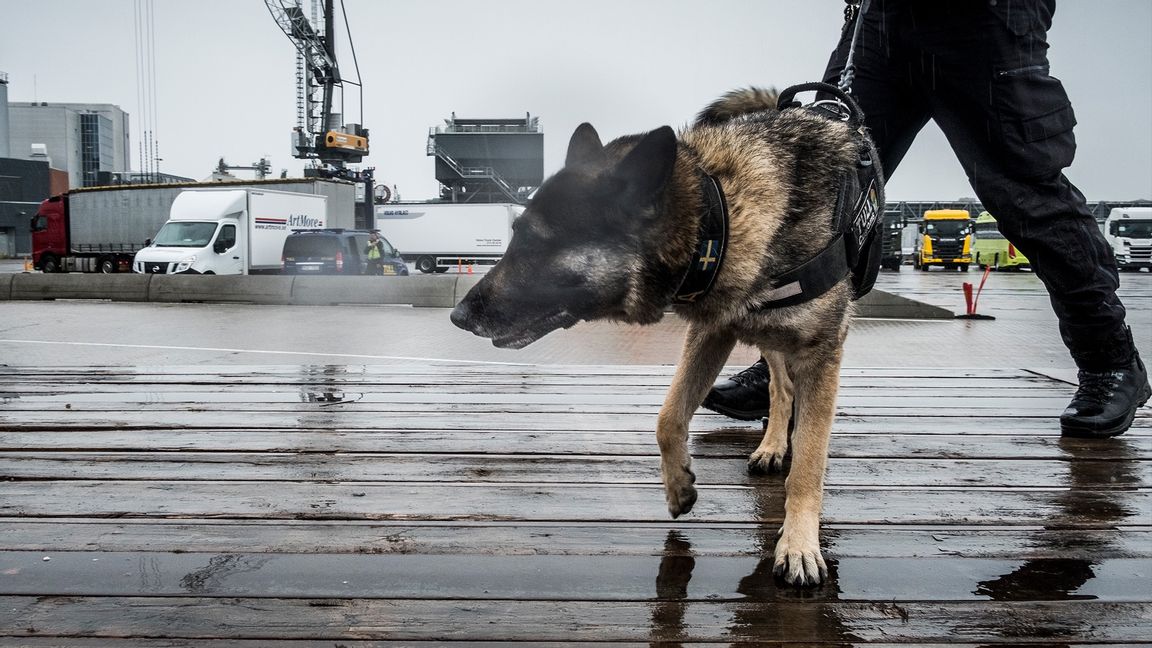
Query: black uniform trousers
979	68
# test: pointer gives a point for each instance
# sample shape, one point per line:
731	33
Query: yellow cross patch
708	257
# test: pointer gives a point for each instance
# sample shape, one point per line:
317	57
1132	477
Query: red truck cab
50	234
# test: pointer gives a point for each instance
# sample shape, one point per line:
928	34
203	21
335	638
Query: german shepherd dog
612	234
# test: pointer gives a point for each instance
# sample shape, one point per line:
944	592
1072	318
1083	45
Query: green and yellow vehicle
945	240
992	249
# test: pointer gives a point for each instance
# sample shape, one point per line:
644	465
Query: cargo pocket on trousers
1036	121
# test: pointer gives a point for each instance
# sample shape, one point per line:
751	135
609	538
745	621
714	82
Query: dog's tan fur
780	172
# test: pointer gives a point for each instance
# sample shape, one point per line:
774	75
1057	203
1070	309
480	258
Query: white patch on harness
785	291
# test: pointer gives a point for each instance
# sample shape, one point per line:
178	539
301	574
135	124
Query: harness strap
812	278
711	243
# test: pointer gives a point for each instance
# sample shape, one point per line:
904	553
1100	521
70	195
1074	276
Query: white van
229	231
1129	231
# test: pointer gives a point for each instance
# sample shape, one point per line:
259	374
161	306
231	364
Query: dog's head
579	243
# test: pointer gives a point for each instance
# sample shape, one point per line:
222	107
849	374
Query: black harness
854	249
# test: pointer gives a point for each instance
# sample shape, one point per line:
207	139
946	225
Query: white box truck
229	231
1129	231
437	236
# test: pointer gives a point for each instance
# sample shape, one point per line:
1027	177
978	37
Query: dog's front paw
763	462
798	559
679	490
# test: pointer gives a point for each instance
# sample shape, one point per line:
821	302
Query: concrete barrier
463	285
249	289
425	291
116	287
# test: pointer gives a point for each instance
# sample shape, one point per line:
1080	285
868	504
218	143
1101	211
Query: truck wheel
106	265
426	264
49	263
963	267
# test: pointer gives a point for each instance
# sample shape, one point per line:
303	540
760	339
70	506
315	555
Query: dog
614	233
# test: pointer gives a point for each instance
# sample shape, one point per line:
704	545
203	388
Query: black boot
743	396
1106	402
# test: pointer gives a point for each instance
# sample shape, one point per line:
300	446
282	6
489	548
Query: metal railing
473	173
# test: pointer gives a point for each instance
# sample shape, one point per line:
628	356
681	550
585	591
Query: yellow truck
945	240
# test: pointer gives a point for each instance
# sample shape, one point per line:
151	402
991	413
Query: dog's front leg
816	380
701	361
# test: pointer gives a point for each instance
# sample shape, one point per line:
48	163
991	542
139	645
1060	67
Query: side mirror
219	247
147	242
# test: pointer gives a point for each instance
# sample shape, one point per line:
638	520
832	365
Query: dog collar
711	242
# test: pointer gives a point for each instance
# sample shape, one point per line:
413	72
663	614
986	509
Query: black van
335	251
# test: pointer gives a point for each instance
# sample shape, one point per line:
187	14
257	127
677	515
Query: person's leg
894	113
1010	124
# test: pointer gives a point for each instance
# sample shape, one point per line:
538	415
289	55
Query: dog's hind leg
816	376
701	361
769	457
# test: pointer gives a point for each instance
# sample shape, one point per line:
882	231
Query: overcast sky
226	87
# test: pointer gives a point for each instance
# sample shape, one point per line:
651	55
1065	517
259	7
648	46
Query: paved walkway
70	333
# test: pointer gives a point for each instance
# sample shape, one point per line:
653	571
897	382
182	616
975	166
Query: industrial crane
319	133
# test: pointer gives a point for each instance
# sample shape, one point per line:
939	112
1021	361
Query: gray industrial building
23	184
88	141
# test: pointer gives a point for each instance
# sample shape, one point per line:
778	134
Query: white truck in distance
1129	231
437	236
229	231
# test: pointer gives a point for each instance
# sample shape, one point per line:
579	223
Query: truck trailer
100	229
437	236
230	231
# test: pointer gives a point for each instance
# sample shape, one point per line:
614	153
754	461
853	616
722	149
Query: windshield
185	234
1132	229
955	228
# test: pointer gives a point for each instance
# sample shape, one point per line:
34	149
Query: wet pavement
65	333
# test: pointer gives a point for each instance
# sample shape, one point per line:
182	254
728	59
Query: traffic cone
28	264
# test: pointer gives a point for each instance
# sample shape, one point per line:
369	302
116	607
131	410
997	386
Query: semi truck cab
49	235
945	240
1129	232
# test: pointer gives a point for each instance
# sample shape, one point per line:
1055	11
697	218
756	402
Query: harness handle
788	95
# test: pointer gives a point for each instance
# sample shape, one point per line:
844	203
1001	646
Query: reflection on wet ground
335	503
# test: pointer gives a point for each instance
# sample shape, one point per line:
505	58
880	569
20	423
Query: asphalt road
72	333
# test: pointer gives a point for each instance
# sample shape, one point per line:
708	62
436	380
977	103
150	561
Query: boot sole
1081	432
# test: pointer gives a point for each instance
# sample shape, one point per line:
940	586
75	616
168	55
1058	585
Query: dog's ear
584	146
647	168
